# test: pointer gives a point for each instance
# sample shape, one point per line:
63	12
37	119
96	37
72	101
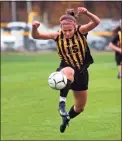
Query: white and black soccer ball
57	80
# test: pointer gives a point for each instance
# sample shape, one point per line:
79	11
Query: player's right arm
45	36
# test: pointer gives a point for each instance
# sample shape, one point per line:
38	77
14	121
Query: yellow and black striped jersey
72	51
120	38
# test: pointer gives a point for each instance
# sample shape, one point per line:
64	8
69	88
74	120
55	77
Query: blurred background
17	18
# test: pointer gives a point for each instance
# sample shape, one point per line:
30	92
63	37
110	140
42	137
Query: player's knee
69	72
79	109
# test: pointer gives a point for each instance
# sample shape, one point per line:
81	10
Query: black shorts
80	79
118	59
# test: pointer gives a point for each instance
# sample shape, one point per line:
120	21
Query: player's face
68	30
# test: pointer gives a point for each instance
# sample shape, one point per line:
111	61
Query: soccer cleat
62	109
65	123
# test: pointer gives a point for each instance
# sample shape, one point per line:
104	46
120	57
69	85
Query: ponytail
72	13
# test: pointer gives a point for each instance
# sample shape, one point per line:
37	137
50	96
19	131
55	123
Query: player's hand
35	24
82	10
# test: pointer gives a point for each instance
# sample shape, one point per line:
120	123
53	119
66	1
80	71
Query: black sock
72	113
64	92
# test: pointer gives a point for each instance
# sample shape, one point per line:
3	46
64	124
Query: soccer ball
57	80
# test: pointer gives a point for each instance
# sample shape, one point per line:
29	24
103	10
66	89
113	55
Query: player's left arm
92	24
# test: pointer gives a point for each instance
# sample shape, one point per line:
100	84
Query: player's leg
79	87
118	59
80	102
119	71
69	72
80	92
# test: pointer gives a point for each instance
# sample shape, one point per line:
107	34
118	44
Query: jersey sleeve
59	31
78	27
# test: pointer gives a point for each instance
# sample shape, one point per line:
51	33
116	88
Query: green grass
29	108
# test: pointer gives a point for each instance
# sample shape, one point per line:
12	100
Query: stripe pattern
72	50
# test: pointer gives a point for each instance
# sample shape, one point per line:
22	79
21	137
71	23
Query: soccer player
116	45
75	59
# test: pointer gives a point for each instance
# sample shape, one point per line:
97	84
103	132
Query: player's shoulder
78	30
58	34
59	31
78	26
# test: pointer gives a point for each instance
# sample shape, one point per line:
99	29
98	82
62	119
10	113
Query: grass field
29	108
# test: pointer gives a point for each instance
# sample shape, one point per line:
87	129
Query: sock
72	113
64	92
62	99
